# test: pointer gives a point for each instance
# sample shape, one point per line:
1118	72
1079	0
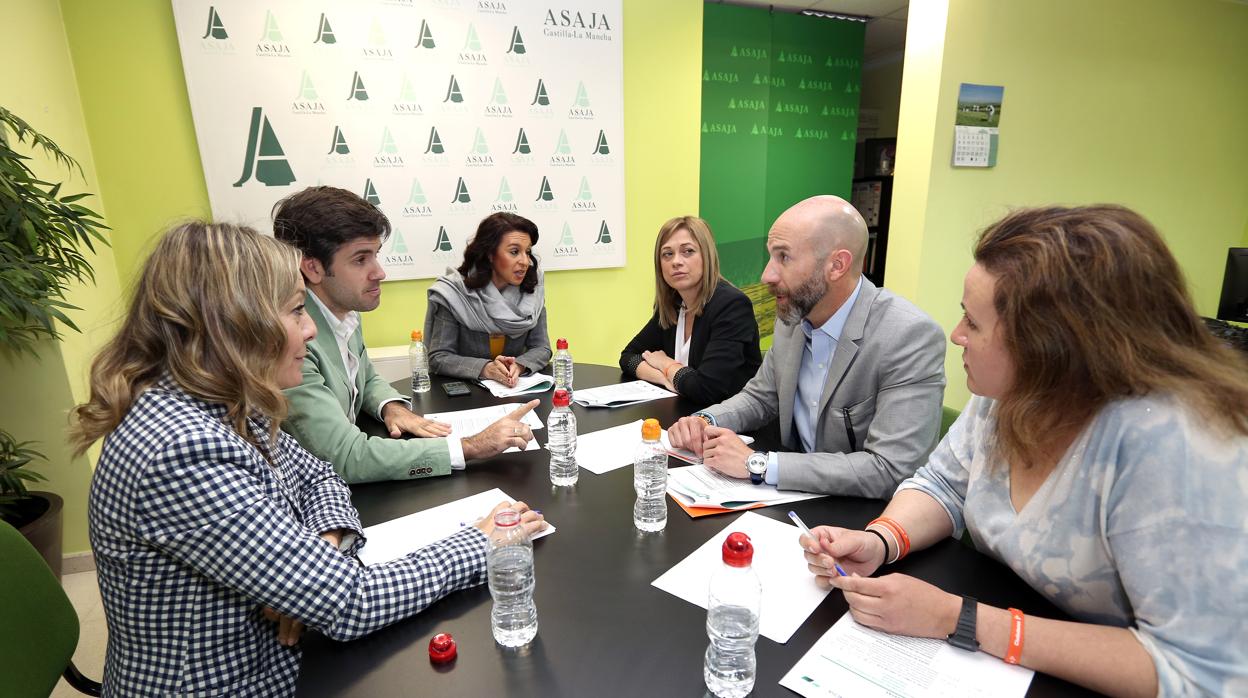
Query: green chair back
948	416
40	624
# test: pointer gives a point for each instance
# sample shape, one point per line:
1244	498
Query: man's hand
503	369
400	420
501	435
531	521
688	433
724	451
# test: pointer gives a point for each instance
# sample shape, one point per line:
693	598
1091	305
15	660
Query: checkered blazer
194	531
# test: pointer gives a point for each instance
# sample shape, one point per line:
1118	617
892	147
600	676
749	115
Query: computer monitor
1234	303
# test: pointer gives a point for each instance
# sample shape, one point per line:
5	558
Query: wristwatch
963	636
757	465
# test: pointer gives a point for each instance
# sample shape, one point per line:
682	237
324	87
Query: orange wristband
668	372
1015	652
900	533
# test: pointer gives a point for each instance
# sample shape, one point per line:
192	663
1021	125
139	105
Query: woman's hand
658	359
858	552
503	369
901	605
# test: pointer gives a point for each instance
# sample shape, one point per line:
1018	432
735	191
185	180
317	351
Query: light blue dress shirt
812	376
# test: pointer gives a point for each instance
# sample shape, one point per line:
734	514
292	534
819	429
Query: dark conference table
603	630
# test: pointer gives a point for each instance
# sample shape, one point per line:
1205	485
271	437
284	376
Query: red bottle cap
738	550
561	343
561	398
442	648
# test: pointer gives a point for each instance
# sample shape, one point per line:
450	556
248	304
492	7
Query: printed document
533	383
398	537
465	423
616	447
790	594
620	394
700	486
854	661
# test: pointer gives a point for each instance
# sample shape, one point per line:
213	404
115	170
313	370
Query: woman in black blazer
714	322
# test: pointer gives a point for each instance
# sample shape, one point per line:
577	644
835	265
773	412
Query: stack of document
533	383
620	394
465	423
700	486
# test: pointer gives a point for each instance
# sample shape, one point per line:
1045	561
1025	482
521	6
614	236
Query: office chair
40	625
948	416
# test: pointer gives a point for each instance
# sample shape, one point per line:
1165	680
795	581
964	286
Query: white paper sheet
607	449
790	594
398	537
525	385
620	394
700	486
465	423
852	660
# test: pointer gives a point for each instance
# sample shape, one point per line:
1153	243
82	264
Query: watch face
756	463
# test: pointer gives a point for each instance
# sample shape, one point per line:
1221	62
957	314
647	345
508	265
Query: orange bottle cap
650	430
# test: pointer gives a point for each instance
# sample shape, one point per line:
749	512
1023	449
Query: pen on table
805	529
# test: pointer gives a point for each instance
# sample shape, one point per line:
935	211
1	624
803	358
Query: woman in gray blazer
487	319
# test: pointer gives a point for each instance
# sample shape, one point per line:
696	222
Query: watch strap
963	636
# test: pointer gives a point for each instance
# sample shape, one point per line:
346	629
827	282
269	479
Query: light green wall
39	86
1136	102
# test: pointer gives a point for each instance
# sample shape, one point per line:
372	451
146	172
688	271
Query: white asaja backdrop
439	111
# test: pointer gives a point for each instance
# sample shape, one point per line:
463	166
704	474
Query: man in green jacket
340	235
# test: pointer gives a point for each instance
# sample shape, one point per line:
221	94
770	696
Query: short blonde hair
207	312
667	299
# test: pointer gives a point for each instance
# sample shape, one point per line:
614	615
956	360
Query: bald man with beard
855	375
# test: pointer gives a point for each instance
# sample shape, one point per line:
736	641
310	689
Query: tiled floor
93	632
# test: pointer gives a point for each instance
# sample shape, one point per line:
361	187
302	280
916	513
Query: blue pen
800	524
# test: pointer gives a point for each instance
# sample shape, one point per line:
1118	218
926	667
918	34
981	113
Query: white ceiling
886	29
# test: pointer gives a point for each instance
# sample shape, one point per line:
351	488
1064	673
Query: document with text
398	537
700	486
854	661
465	423
525	385
620	394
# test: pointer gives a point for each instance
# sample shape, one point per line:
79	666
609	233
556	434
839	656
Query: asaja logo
604	235
562	157
768	80
783	107
601	148
358	92
435	150
796	57
408	102
747	104
417	203
398	254
498	101
443	243
453	93
264	155
271	44
756	130
505	201
571	24
602	151
370	193
719	127
813	134
471	53
584	200
324	32
492	7
839	111
751	52
517	52
479	155
339	152
461	200
545	200
216	39
581	108
725	76
307	101
425	40
566	247
388	153
522	153
376	49
540	105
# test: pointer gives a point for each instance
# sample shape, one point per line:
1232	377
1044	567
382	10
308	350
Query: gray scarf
511	311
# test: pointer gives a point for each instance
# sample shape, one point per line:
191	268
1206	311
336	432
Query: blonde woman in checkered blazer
217	537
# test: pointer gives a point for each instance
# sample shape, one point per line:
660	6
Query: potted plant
42	240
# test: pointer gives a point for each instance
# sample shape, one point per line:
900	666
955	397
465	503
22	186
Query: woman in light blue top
1103	458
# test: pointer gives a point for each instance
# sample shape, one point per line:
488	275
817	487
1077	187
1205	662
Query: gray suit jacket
455	350
885	386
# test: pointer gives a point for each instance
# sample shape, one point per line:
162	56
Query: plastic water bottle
732	621
561	434
510	566
650	480
563	366
418	358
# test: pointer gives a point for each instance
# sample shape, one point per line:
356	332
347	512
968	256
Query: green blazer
321	419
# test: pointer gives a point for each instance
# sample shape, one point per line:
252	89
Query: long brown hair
207	311
667	299
1094	308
